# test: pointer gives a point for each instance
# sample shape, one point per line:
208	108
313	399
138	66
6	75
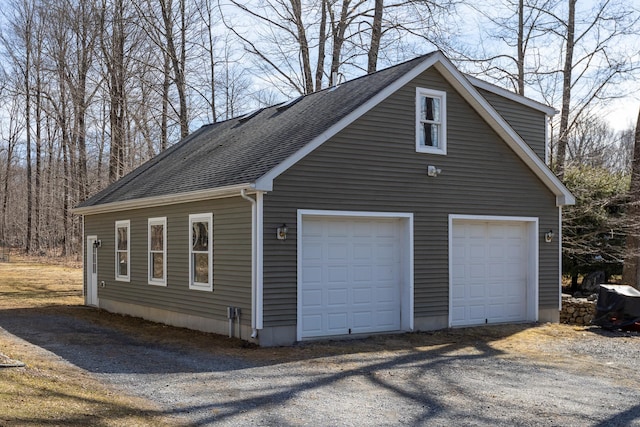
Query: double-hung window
431	121
157	249
123	234
201	252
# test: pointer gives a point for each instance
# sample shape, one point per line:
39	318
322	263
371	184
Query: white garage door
350	276
489	271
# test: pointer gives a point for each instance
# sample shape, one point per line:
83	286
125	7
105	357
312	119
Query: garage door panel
337	322
361	251
362	296
476	271
337	274
477	313
312	298
337	252
385	319
312	275
355	264
312	323
336	297
386	294
493	256
362	320
362	273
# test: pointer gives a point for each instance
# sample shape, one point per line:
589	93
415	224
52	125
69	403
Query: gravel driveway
526	375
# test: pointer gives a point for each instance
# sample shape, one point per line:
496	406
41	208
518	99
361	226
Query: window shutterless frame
431	121
122	250
201	252
157	251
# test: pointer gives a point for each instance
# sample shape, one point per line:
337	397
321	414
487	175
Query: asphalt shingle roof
241	150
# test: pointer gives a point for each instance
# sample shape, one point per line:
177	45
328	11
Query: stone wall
577	311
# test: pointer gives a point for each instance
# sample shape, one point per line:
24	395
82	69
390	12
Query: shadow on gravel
102	342
422	372
83	336
624	418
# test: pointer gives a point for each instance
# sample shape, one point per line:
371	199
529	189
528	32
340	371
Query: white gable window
123	234
157	251
431	121
201	252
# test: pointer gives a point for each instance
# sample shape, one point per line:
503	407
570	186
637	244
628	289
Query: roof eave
549	111
169	199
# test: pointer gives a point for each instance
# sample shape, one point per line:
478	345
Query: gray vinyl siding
231	259
529	123
372	166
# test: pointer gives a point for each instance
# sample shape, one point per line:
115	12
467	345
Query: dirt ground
537	375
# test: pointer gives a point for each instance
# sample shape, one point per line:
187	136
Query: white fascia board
505	131
169	199
265	182
549	111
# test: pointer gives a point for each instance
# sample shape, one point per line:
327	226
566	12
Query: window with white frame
201	252
123	234
431	121
157	249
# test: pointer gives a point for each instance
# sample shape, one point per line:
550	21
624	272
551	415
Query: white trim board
169	199
407	291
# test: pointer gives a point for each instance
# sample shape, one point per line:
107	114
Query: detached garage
413	198
493	270
354	273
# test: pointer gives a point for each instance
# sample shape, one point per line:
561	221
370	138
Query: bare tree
376	36
513	30
631	270
112	41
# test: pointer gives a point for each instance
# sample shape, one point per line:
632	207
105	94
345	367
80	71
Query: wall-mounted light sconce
97	243
281	233
433	171
548	236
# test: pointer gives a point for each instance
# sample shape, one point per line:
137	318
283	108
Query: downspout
254	229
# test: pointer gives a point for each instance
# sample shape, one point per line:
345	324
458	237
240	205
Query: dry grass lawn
48	390
51	391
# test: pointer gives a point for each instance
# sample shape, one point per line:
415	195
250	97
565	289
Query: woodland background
90	89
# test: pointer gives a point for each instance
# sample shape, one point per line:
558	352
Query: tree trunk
338	27
296	11
521	48
27	108
376	36
177	61
630	271
563	134
322	39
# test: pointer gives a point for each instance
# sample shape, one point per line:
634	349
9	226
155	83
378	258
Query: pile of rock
577	311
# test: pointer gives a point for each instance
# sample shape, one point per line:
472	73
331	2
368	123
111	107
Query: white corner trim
559	243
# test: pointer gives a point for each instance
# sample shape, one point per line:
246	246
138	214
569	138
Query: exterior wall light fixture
548	236
281	233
